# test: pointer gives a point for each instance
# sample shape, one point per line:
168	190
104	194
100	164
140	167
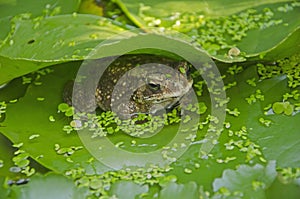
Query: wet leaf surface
12	7
206	23
120	189
63	43
30	116
48	186
173	190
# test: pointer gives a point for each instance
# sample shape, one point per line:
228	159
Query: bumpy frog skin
135	84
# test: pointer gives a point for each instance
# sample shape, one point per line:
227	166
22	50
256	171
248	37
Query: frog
136	84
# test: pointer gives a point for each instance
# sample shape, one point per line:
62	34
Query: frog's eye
153	86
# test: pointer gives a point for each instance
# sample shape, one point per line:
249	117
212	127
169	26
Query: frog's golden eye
153	86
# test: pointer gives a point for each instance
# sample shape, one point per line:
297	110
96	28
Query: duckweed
235	112
256	185
252	82
199	88
289	67
1	163
265	122
197	165
18	145
100	184
226	160
294	95
63	107
72	43
34	136
233	70
2	108
40	99
26	80
188	171
254	97
227	125
288	174
267	108
119	144
285	8
13	101
216	35
21	161
297	107
283	107
51	118
230	85
108	123
241	141
66	151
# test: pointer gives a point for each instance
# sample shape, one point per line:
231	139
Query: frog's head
164	86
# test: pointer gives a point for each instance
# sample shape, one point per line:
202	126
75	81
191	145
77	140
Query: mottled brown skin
145	91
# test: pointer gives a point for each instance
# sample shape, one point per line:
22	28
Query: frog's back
116	70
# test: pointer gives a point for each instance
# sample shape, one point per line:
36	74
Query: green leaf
280	141
5	27
6	155
14	7
3	191
249	182
37	43
178	191
221	27
285	48
213	8
279	190
278	107
127	189
49	186
35	8
30	116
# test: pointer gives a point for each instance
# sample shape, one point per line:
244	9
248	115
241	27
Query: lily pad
6	154
121	189
246	182
280	190
214	8
3	191
37	43
48	186
178	191
32	116
250	30
36	8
